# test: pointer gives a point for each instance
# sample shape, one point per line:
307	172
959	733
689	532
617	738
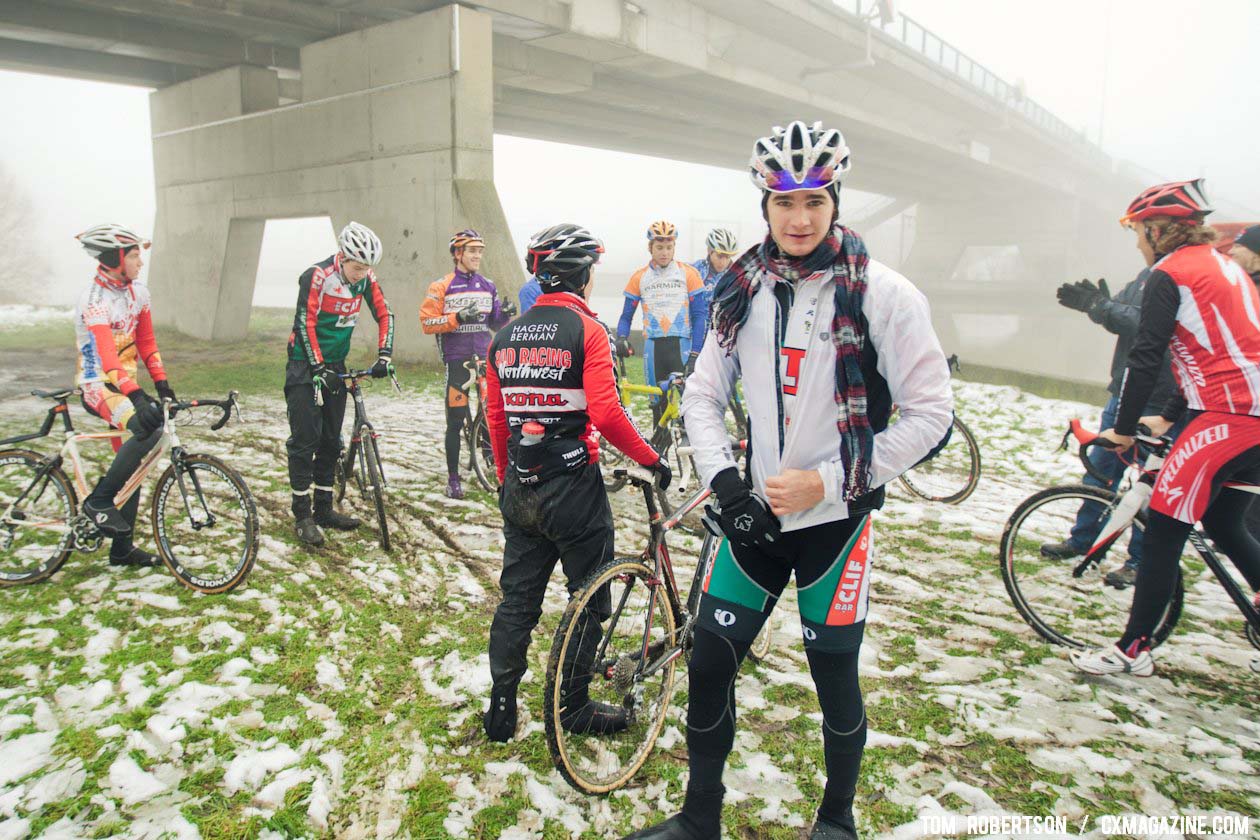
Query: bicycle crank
85	536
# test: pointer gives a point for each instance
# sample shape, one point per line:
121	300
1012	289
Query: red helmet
1178	200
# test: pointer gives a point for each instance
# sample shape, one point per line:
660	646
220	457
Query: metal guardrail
913	35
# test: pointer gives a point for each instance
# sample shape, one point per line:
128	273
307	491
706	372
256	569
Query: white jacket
909	358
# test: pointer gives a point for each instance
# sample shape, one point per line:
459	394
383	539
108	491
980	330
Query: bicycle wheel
619	675
35	514
481	454
205	523
610	458
342	468
1076	611
952	475
667	442
375	483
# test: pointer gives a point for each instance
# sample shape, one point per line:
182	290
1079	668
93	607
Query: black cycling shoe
827	830
308	532
677	827
594	719
499	720
1060	550
136	557
108	519
331	518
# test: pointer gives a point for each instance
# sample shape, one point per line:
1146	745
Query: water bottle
529	453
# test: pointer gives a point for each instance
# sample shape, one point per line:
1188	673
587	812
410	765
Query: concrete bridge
384	111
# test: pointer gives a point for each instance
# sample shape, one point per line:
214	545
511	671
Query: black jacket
1121	315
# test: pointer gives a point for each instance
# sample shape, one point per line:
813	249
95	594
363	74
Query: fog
1167	85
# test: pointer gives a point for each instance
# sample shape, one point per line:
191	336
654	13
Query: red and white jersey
1204	309
1216	343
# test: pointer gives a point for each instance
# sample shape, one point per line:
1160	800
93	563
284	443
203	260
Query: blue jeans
1089	520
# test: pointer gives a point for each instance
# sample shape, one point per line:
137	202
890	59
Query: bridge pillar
990	267
394	130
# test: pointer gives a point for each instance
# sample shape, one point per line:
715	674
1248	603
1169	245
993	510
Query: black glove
624	348
508	309
325	378
663	474
745	519
691	363
1081	296
148	411
468	314
382	368
164	390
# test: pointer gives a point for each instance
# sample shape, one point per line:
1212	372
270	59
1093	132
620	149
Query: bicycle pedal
84	535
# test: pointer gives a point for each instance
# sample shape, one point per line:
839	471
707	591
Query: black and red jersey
554	365
1204	308
327	310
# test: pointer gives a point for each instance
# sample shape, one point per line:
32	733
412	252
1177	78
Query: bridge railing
917	37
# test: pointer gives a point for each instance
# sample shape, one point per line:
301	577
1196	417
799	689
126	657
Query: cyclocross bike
951	475
362	458
205	524
477	429
650	628
1067	601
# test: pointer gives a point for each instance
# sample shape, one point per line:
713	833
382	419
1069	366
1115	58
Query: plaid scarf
843	255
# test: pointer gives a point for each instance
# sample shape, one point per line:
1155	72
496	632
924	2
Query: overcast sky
1180	99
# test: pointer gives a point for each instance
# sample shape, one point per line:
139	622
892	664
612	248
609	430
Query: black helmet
561	256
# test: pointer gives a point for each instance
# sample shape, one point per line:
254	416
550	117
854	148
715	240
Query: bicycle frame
1137	498
361	422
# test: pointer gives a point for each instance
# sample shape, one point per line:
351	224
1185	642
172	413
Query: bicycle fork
1122	516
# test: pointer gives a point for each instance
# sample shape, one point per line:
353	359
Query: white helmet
102	239
359	243
799	157
723	241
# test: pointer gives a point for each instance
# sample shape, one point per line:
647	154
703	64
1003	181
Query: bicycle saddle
59	394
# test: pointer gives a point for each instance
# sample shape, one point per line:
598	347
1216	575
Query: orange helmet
467	236
662	230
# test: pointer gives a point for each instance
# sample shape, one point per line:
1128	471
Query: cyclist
672	295
462	309
113	328
330	294
826	340
550	382
1117	315
723	249
1246	251
1203	306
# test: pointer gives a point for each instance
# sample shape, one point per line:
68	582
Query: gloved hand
624	348
1081	296
468	314
663	474
745	518
148	411
508	309
691	363
383	368
164	390
325	379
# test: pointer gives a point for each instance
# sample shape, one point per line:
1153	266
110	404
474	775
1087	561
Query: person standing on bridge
672	295
723	248
114	330
1118	315
330	294
462	309
826	340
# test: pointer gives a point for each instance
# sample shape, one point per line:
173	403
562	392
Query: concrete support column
394	130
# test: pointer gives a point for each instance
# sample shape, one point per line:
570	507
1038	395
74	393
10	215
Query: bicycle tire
341	468
237	572
973	474
481	454
1047	619
640	737
761	645
610	458
376	484
23	461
